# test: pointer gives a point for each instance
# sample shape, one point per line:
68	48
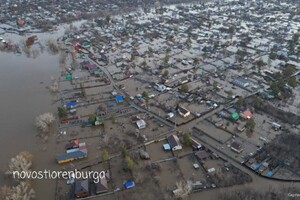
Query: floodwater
24	96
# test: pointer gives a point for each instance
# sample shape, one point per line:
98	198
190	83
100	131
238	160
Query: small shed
166	147
69	77
141	124
129	184
235	116
270	173
174	143
237	147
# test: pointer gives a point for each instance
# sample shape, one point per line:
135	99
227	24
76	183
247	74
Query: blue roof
75	155
129	184
119	98
257	166
270	173
71	104
166	147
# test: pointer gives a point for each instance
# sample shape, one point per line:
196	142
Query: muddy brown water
24	96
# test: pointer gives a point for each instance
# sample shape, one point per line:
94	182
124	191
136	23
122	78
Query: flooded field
24	96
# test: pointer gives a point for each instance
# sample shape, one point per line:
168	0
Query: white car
170	115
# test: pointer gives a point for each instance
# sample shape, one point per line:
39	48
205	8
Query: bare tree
54	87
44	121
22	162
22	191
183	189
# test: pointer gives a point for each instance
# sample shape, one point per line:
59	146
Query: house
241	82
184	80
196	145
183	111
247	114
198	185
71	105
159	87
101	186
72	145
134	119
235	116
81	188
89	66
201	155
237	147
141	124
20	22
174	143
119	98
73	154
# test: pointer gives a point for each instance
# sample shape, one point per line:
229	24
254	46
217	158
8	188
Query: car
152	95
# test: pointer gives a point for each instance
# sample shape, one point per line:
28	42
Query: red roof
20	22
247	114
75	142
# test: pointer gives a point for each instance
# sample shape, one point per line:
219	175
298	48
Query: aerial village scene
169	99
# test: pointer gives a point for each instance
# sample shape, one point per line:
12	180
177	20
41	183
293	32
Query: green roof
69	77
235	116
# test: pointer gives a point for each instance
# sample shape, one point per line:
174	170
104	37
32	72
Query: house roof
101	186
235	116
247	114
173	141
134	119
183	110
119	98
73	155
141	123
20	22
166	147
240	81
201	154
129	184
81	186
236	146
71	104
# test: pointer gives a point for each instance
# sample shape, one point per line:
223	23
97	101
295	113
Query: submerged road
113	83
